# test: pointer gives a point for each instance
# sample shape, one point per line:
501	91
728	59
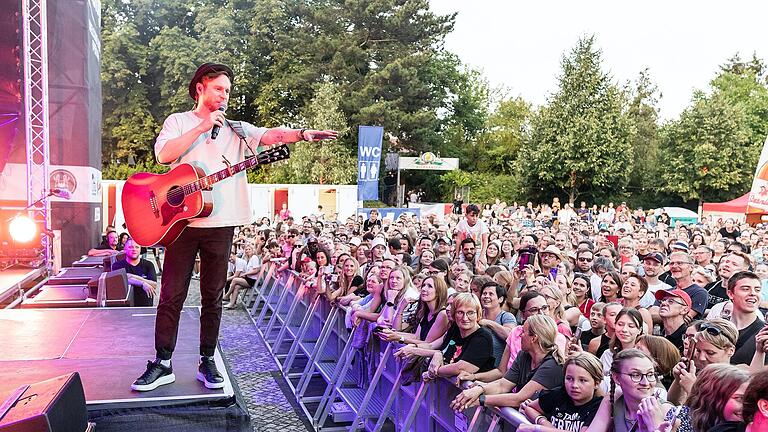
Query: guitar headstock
274	154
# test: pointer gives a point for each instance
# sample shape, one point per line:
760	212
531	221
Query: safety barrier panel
327	366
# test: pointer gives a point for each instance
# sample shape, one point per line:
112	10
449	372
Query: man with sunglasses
744	290
674	307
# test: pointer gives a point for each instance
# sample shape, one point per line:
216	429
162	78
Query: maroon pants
214	245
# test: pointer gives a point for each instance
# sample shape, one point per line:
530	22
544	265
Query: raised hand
318	135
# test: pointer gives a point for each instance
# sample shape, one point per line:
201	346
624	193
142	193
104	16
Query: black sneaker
209	374
155	376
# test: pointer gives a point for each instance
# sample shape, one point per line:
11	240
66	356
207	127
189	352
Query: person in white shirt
187	137
474	228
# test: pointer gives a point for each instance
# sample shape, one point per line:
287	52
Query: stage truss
35	52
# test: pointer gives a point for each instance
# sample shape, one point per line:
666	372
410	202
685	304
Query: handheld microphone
216	128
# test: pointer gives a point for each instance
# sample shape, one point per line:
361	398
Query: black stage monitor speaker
54	405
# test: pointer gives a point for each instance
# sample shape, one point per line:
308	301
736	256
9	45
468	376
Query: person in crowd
373	220
141	274
581	294
638	408
106	249
666	356
430	320
570	407
632	290
549	259
493	253
463	280
425	244
716	398
596	326
507	257
673	309
500	322
246	279
369	307
424	259
714	344
399	294
629	325
610	290
729	264
681	267
744	291
538	366
466	347
653	266
474	228
754	408
599	345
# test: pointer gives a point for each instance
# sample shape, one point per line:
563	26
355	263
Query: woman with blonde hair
399	293
348	283
537	367
556	302
715	344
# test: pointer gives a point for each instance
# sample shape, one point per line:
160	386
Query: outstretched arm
288	136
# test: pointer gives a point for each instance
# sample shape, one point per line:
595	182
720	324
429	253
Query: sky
520	44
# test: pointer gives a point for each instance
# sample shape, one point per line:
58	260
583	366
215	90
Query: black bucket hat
205	69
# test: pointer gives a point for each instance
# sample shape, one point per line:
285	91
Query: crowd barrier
345	380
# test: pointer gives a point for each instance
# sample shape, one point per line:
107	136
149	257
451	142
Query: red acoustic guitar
157	207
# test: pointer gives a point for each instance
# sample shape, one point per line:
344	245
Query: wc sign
368	160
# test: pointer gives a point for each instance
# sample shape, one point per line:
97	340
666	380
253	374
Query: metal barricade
264	288
330	353
265	268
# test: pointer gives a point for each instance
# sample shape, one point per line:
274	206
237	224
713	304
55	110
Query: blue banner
391	213
368	160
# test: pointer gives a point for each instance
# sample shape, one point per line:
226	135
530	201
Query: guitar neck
209	180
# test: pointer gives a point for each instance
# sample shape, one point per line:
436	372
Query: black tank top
425	325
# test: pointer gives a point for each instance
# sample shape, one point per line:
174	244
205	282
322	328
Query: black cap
205	69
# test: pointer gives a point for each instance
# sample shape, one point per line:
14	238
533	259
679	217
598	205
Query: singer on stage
202	136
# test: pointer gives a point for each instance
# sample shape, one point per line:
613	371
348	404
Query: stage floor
109	347
14	277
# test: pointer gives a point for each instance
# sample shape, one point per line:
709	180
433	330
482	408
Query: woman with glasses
466	347
638	408
715	344
537	367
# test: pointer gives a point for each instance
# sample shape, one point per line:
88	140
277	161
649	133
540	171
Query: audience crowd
584	319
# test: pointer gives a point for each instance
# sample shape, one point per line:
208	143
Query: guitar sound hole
175	196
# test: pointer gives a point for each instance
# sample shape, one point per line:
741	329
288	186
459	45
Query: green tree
707	153
324	163
644	116
580	141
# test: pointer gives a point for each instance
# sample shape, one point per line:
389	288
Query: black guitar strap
237	126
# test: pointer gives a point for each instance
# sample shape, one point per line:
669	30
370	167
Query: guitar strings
265	156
